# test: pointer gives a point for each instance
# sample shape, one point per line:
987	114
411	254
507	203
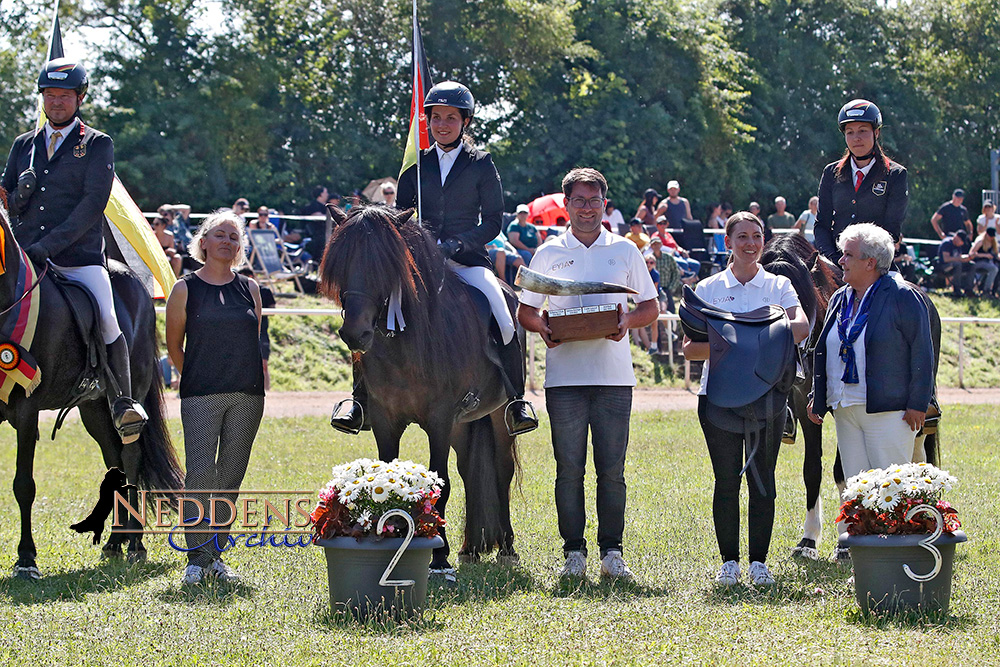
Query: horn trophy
542	284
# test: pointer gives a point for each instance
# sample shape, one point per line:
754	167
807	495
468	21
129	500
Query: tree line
737	99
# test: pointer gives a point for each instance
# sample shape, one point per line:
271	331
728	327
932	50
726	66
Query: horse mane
393	251
779	259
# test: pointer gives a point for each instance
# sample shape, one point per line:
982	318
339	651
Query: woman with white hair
213	338
874	360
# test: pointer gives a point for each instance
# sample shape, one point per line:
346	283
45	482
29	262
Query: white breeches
869	441
486	282
98	281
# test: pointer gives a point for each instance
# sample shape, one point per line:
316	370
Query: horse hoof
137	557
29	573
804	553
449	573
111	554
510	559
806	548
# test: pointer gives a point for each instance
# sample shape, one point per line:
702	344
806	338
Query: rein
27	291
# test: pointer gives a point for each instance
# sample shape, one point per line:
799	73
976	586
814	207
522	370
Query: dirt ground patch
303	404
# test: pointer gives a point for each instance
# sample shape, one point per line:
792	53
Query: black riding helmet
451	94
861	111
63	73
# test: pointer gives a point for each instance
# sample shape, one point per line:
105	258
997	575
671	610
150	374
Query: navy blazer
66	213
469	206
899	355
882	199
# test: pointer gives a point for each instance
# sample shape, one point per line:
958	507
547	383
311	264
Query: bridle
380	308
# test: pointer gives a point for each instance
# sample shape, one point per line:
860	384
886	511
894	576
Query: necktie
857	184
53	140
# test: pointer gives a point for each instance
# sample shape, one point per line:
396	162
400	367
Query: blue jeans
604	411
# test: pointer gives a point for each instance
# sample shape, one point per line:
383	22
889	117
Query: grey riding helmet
451	94
860	111
63	73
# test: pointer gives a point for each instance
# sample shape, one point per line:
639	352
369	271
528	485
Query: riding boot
128	415
519	415
351	414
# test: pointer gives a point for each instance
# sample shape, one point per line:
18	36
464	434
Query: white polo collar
604	238
730	280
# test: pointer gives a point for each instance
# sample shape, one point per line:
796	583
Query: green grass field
87	612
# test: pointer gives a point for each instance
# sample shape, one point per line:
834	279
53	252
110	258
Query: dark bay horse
436	372
61	355
815	280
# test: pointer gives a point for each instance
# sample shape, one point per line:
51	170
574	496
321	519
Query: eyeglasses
388	192
580	202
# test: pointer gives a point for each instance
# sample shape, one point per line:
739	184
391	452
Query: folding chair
269	260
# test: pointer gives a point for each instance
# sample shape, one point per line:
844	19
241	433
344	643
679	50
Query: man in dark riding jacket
58	179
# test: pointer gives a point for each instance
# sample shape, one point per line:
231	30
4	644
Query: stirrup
129	418
350	430
515	429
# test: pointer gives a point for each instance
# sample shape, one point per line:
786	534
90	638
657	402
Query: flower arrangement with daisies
876	501
351	504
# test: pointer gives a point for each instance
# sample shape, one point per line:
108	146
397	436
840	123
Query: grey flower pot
881	585
354	568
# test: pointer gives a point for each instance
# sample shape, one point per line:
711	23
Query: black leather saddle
751	370
84	310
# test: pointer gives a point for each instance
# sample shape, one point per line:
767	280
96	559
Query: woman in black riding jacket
462	205
864	185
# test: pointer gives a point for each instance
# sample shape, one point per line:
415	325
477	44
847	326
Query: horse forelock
370	242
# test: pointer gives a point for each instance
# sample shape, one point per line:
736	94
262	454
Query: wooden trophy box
584	323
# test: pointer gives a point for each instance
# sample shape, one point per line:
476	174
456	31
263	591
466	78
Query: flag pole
418	109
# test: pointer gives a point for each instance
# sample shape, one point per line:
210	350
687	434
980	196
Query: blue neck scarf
849	337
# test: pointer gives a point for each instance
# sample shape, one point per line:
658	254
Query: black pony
61	355
815	279
436	372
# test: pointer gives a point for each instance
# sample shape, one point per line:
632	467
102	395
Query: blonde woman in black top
213	337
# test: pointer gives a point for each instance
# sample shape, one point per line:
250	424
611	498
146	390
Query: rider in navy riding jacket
882	195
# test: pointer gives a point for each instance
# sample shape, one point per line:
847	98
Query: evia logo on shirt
724	299
558	266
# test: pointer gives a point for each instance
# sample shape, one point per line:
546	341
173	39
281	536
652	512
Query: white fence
669	319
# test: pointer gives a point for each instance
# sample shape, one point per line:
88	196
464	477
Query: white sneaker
760	575
613	566
575	565
193	574
729	574
223	572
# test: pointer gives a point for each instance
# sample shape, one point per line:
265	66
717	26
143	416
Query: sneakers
729	574
575	565
613	566
760	575
193	574
223	572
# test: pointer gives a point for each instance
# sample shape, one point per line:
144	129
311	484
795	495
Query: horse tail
160	467
492	464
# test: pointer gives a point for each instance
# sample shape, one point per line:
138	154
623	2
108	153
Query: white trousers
485	281
869	441
97	280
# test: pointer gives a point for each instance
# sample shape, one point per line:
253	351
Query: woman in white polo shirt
742	287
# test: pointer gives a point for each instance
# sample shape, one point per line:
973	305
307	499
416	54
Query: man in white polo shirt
588	384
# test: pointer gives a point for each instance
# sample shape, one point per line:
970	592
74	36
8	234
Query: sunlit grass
87	612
